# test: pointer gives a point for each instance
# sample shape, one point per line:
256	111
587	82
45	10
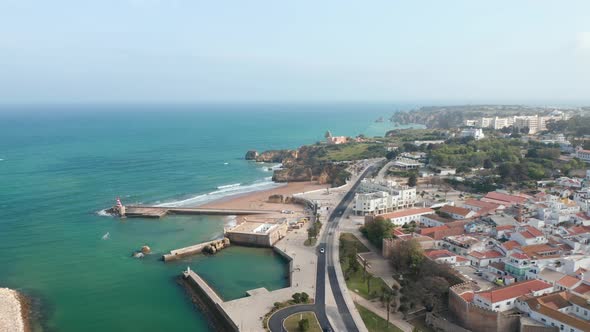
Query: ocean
61	165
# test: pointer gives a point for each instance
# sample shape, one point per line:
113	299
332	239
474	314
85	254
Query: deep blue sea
61	165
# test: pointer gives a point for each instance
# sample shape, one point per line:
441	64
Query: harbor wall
212	303
289	259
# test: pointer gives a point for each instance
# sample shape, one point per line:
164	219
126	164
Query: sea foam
222	192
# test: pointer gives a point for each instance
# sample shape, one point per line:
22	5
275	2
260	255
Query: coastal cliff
303	164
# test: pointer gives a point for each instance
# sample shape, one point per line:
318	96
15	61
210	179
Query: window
508	303
543	320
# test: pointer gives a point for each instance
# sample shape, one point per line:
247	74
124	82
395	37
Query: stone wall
536	328
478	319
440	324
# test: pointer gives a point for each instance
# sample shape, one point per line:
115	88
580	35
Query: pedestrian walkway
380	311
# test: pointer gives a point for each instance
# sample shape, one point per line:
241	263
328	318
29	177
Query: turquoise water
60	165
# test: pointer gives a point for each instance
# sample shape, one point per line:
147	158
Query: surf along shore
13	311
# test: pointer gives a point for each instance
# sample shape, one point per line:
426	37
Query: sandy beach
11	311
258	200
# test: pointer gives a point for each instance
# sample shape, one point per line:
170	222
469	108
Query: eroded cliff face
304	164
276	156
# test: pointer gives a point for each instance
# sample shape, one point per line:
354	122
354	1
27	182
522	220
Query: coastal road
327	241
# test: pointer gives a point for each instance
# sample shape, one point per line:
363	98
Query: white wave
226	163
1	159
233	185
104	213
222	193
271	168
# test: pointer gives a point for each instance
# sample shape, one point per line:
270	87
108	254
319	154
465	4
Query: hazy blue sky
250	50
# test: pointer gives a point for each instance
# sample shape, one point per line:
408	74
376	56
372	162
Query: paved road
327	241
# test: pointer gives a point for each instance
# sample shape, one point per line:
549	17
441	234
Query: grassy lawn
357	284
356	281
375	323
291	323
310	242
360	247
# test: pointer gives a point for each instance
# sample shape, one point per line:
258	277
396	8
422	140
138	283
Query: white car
322	250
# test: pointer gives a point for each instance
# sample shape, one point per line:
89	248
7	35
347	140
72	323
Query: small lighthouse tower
120	207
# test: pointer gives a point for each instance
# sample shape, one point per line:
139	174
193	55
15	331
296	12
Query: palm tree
387	297
365	263
369	277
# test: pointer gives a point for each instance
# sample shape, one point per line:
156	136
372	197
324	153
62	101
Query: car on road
322	250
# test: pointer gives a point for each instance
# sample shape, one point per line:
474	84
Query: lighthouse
120	207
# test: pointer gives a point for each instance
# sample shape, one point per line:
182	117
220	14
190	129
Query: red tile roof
486	254
482	204
504	227
531	232
406	213
505	197
430	230
519	255
568	281
577	230
434	254
455	210
509	245
468	296
514	290
582	289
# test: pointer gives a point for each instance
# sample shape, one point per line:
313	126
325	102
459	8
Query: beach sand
11	311
257	200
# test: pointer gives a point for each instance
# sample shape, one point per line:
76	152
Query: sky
190	51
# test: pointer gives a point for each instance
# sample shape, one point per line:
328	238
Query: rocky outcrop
213	247
276	156
297	173
305	164
251	155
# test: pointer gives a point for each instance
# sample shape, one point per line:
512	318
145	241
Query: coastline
13	311
258	200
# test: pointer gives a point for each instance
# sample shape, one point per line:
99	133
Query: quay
139	211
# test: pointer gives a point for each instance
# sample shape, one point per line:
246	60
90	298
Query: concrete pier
210	302
161	211
187	251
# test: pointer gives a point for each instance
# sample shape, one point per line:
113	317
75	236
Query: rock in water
138	255
146	250
251	155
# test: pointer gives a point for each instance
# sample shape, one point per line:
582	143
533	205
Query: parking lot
468	273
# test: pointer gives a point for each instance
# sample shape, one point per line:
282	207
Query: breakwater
208	302
196	249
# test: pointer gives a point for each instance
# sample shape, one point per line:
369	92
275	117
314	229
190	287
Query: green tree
303	324
376	230
488	164
304	297
412	180
296	297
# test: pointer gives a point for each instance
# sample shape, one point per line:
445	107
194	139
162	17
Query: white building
583	155
502	299
476	133
563	311
378	197
402	217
